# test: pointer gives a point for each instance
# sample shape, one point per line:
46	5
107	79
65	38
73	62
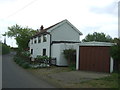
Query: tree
115	53
22	35
4	49
100	37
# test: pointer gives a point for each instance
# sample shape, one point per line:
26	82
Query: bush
43	59
21	62
5	48
72	67
26	54
25	65
69	54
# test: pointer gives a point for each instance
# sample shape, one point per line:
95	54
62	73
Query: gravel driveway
76	76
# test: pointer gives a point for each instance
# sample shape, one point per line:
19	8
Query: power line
21	8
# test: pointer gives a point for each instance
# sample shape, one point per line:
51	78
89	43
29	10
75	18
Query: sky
88	16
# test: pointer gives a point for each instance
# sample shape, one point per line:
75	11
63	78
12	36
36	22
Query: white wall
38	47
57	51
65	33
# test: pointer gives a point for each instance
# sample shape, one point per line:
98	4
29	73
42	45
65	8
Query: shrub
69	54
26	54
21	62
5	48
43	59
72	67
25	65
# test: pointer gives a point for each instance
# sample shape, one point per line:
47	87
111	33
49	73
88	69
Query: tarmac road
14	76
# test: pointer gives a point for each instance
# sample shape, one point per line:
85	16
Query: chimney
41	28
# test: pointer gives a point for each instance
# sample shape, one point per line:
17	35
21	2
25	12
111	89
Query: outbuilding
94	56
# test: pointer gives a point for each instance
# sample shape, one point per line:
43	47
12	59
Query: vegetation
22	62
4	49
106	82
70	55
22	35
115	53
100	37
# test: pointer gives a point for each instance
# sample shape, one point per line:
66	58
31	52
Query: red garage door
94	58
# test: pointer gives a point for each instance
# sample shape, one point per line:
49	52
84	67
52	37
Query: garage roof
94	43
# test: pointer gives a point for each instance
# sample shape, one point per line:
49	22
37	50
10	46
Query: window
35	41
44	52
31	51
44	38
39	39
31	41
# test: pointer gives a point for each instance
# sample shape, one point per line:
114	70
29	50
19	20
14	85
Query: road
14	76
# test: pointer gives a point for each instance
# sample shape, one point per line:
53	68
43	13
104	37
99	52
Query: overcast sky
86	15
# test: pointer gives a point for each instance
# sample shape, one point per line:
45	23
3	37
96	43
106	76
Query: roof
94	43
45	31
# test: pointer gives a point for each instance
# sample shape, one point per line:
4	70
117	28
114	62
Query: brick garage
94	56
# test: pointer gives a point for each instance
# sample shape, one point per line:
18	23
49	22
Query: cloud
111	9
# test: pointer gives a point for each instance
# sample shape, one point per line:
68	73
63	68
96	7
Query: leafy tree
115	53
100	37
22	35
4	49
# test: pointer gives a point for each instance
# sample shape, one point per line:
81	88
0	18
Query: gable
57	25
64	22
64	32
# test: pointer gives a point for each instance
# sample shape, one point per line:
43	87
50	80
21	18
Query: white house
53	40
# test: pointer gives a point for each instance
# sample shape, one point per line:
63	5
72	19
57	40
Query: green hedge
4	49
21	62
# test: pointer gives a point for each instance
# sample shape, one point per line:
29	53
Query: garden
25	60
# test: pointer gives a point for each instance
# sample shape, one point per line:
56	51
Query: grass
106	82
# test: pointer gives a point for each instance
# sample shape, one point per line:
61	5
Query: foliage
115	53
42	59
72	66
115	50
69	55
100	37
5	49
26	54
22	35
39	57
20	61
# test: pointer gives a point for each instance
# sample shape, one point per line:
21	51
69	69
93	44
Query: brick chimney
41	28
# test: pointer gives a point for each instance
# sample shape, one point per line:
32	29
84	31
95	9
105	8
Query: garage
95	56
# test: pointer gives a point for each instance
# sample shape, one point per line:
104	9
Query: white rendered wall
57	52
65	33
38	47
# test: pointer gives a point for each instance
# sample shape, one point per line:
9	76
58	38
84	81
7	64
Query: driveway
14	76
77	76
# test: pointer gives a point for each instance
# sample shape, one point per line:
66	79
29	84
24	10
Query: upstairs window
44	38
39	39
31	41
35	41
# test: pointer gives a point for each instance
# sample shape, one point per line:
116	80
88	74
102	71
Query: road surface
14	76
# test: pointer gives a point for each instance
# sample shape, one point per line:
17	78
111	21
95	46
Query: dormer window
35	41
44	38
39	39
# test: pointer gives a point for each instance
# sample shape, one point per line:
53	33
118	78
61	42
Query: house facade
53	40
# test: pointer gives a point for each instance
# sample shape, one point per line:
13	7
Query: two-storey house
53	40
